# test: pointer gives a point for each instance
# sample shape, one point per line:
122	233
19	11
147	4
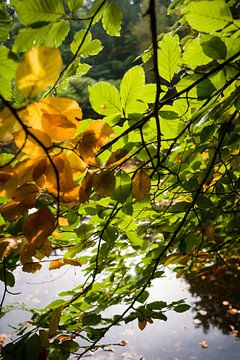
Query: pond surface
208	331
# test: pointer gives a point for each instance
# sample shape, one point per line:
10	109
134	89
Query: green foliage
146	177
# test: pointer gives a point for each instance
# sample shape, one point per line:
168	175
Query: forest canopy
120	150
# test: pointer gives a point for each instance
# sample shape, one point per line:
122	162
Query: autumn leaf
45	175
104	183
141	185
117	158
54	321
8	125
31	267
10	245
29	145
56	264
142	324
38	69
86	188
36	229
24	198
96	135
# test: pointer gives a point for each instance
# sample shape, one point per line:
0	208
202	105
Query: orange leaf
36	228
24	198
56	264
8	125
104	183
141	185
31	267
72	262
29	146
39	68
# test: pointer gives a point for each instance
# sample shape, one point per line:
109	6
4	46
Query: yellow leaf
104	183
31	267
36	229
8	125
28	145
77	165
63	221
39	68
96	135
141	185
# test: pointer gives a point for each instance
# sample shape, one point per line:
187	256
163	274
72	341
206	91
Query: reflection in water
178	338
218	302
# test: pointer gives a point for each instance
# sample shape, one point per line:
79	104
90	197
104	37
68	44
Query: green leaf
97	10
194	55
143	297
74	5
51	35
5	21
32	11
169	55
123	187
7	72
181	308
91	319
208	16
204	202
157	305
131	89
170	128
104	98
84	46
33	345
215	48
7	276
205	89
112	19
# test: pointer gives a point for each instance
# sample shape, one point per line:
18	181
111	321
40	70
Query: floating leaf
39	68
141	185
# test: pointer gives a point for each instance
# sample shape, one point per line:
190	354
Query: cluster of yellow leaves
57	154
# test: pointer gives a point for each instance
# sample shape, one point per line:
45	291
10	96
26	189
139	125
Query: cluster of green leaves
154	182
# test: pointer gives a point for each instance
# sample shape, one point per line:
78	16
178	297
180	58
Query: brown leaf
204	344
86	188
142	324
104	183
9	245
117	158
72	262
36	228
31	267
141	185
54	321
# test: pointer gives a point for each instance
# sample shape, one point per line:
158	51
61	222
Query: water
205	332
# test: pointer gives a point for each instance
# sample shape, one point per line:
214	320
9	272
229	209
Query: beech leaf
141	185
39	68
